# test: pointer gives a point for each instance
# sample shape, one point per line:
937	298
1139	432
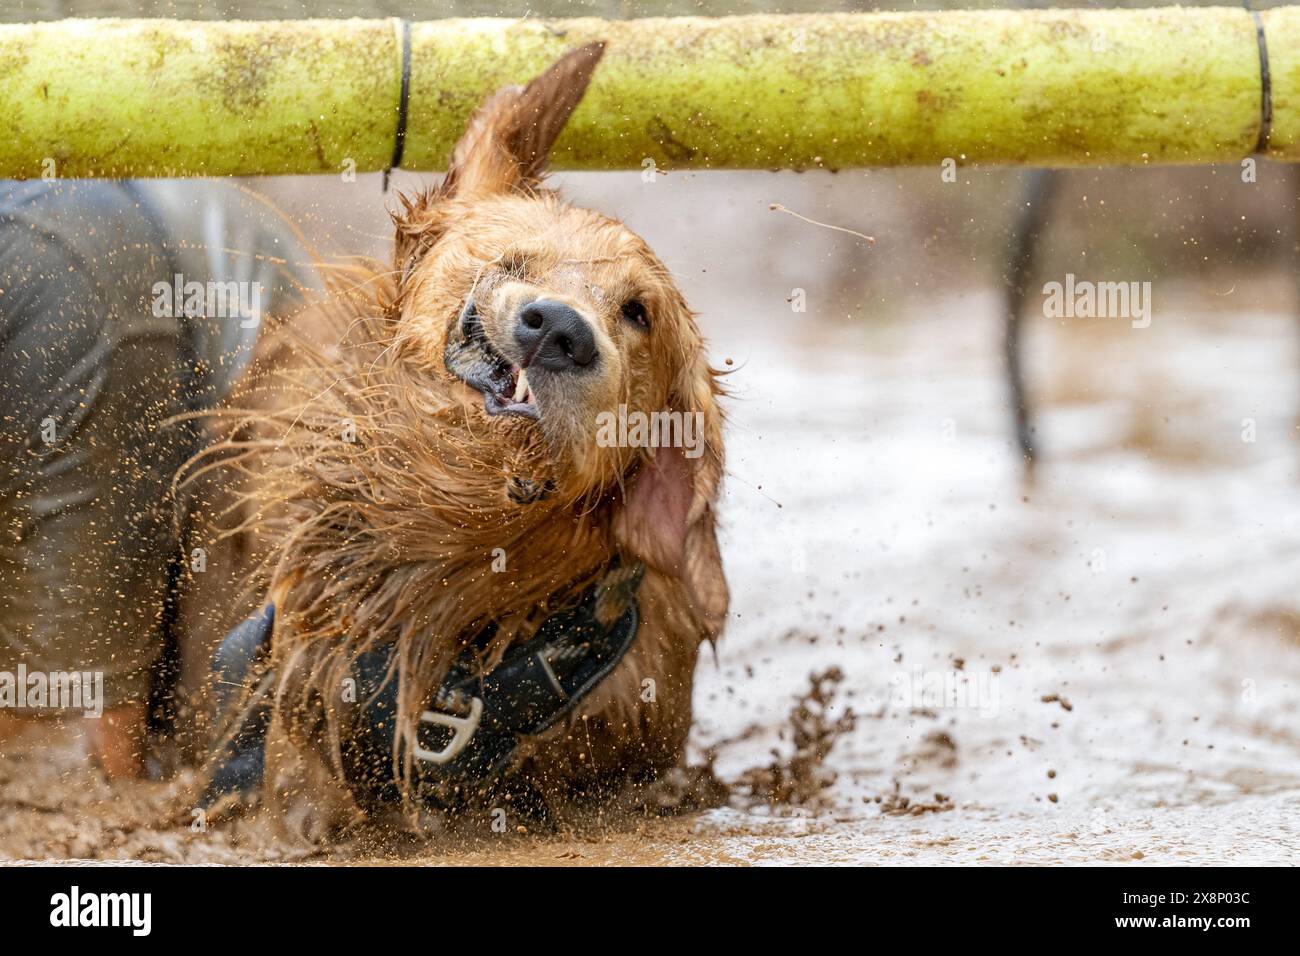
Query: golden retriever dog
423	463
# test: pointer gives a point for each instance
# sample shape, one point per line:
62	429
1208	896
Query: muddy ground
1100	666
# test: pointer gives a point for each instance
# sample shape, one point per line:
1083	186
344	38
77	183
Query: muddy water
1101	666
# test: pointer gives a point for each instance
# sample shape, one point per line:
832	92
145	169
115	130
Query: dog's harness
468	736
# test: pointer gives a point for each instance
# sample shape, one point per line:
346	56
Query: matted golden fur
362	486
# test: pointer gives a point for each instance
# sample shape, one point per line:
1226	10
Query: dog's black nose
555	336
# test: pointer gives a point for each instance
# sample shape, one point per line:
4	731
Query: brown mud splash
54	805
802	778
798	779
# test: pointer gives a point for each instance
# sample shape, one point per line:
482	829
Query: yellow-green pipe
1040	87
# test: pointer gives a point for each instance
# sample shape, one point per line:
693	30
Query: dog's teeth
521	387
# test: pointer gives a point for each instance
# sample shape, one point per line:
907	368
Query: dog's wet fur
380	460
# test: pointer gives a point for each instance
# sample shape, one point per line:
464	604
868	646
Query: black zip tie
1265	81
403	102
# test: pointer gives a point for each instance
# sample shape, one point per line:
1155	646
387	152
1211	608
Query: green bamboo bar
1041	87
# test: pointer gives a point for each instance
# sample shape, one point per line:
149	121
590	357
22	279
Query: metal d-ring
463	729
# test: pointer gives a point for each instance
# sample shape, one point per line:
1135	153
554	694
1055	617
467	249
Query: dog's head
562	331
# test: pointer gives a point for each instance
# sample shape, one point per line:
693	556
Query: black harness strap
468	737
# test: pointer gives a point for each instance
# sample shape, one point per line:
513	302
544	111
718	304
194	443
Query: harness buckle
463	729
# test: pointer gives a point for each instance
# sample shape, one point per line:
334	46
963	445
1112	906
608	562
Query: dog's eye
635	312
514	264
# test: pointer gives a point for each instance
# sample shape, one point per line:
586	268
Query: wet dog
428	464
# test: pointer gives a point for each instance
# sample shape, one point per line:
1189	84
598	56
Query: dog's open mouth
475	362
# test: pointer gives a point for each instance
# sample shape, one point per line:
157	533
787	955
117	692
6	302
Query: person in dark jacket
123	304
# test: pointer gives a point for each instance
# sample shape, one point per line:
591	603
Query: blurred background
1128	619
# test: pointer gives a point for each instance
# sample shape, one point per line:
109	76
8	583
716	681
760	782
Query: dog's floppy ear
504	147
509	140
668	514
